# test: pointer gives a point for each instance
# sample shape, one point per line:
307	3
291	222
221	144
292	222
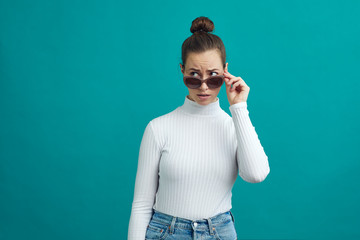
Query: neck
194	108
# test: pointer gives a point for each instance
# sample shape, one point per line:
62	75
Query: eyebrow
199	70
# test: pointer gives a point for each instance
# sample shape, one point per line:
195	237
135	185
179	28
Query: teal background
79	81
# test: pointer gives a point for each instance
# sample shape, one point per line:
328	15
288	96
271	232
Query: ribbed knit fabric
189	160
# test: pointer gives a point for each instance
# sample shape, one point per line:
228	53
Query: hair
202	40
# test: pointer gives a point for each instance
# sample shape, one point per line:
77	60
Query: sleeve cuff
238	105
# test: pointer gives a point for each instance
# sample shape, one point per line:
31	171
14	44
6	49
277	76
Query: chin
195	98
205	102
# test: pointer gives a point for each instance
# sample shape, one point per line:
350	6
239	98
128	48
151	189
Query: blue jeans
164	226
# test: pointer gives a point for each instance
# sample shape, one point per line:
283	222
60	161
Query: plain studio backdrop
79	81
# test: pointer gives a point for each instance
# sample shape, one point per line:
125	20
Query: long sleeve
146	185
252	161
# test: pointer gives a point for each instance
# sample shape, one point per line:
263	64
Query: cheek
191	91
216	91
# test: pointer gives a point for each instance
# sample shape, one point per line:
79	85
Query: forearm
251	158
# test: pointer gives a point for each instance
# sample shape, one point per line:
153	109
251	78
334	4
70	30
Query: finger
226	77
227	74
239	83
233	80
228	85
227	81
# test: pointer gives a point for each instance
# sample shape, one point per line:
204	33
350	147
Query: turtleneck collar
194	108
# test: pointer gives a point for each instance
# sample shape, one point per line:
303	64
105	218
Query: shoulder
161	121
162	126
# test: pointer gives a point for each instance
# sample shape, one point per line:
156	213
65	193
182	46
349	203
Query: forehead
204	60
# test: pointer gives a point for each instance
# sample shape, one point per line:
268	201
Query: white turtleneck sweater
189	160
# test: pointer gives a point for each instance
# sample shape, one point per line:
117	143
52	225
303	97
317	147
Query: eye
214	72
191	73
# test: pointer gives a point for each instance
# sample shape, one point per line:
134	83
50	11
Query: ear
182	68
226	67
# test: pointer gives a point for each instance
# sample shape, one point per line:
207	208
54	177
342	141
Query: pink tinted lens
215	82
192	82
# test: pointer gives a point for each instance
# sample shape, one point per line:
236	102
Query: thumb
227	85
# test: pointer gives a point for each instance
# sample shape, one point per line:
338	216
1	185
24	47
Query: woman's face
203	65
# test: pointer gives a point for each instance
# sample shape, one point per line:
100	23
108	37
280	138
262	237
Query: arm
252	161
146	185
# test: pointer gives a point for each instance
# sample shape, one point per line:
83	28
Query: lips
203	95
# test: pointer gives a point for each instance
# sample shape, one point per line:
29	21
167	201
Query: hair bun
202	24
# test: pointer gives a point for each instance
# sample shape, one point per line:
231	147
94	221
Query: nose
203	86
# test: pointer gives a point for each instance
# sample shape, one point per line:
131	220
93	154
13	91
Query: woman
189	158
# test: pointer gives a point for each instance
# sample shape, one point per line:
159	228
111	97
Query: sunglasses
212	82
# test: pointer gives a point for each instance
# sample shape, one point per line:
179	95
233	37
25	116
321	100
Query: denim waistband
200	224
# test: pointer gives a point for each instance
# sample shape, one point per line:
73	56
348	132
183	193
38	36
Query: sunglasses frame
205	80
